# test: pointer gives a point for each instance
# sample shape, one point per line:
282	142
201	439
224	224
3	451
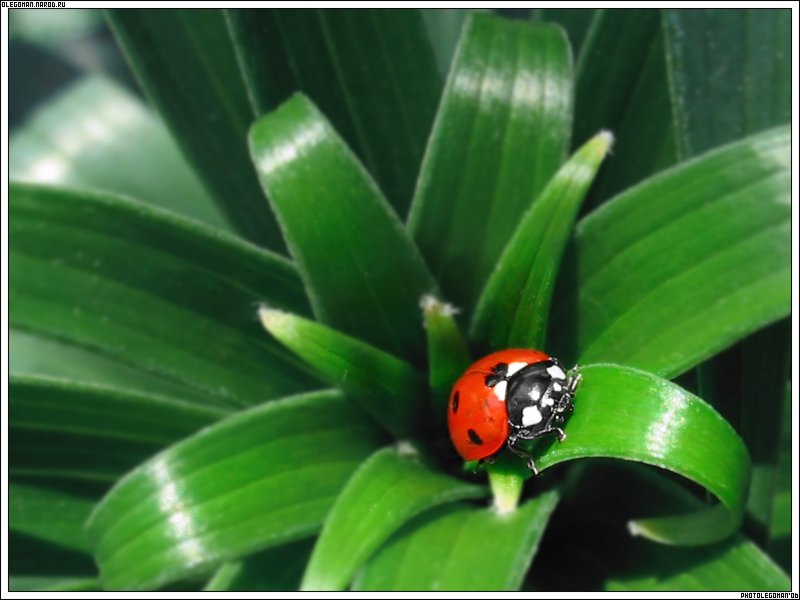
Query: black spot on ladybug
499	372
455	403
474	437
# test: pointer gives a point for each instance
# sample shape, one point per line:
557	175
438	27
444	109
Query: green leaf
97	135
677	268
501	132
373	291
729	77
448	355
36	355
747	385
74	430
261	478
621	85
729	73
444	27
388	389
48	513
530	261
53	28
609	66
459	547
17	583
632	415
276	569
386	491
576	23
161	293
371	72
737	565
606	557
185	62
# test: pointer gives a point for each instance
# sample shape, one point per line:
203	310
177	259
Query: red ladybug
508	396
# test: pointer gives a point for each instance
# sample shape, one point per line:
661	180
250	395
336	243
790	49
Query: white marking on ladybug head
547	401
514	367
531	416
500	390
534	394
557	387
556	372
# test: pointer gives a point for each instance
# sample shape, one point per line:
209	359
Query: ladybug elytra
506	397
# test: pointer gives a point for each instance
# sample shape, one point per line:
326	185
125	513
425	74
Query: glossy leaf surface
263	477
363	274
386	491
65	429
658	423
388	389
703	247
501	132
185	62
96	135
445	549
371	72
529	264
152	294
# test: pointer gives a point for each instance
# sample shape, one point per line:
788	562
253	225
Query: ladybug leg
573	381
512	440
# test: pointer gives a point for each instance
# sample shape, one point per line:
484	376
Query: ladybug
508	396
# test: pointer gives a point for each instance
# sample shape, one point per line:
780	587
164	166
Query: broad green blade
388	389
601	555
621	85
631	415
160	293
32	354
730	77
747	385
608	67
390	488
501	132
448	355
677	268
575	22
96	135
50	514
185	62
444	27
737	565
729	73
371	72
459	547
65	429
261	478
277	569
53	584
513	308
363	274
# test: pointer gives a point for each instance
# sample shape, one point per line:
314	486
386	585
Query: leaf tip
271	318
603	142
430	305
